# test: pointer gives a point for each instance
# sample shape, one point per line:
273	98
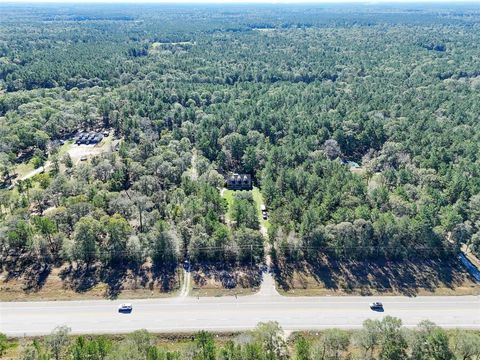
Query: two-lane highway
230	313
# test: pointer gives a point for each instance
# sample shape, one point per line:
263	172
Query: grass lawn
221	291
228	195
106	141
62	150
257	196
26	167
23	169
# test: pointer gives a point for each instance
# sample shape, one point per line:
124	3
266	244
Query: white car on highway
127	307
376	305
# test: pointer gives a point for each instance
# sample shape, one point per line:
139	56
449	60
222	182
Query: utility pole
251	255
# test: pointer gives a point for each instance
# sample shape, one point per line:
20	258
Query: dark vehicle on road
377	305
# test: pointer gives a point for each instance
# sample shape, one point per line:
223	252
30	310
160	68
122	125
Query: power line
251	247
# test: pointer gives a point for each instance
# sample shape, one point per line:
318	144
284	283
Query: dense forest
359	125
384	339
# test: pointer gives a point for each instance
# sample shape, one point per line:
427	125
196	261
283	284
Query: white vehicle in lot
264	212
127	307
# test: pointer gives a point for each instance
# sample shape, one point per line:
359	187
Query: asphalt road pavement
230	314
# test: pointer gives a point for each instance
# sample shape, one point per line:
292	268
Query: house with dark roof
89	138
239	182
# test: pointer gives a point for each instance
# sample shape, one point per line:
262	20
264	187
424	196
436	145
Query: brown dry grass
216	290
411	278
57	286
219	281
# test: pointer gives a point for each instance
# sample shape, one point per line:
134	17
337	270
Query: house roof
241	177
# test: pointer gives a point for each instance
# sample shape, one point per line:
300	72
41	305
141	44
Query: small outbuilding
239	182
350	164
